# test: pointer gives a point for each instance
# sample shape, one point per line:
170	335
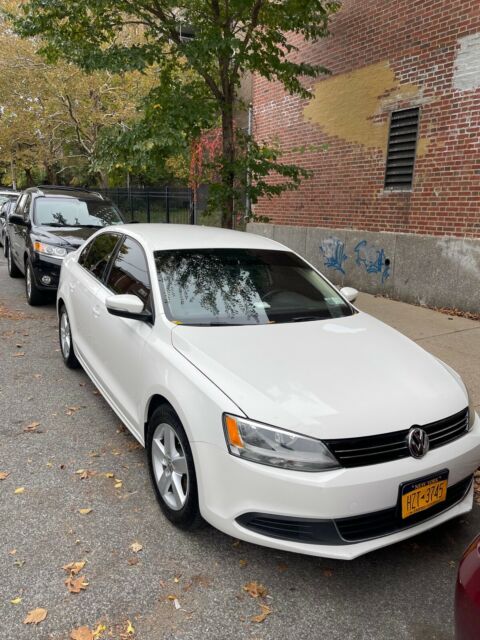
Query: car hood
347	377
70	236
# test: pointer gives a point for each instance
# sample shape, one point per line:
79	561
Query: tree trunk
228	169
29	177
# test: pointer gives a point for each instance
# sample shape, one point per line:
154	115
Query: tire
173	476
35	296
5	246
65	338
13	270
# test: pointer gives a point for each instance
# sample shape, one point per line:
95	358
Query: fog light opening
46	280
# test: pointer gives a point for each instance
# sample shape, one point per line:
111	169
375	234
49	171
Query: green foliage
231	38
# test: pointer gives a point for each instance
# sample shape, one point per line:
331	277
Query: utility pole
14	179
248	199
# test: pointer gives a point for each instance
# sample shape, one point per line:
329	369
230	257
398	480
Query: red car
467	594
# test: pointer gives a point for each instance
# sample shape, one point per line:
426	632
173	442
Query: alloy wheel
170	466
65	335
28	281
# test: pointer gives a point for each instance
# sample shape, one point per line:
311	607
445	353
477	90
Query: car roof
159	236
8	192
64	192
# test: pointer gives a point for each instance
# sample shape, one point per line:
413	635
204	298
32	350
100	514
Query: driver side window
96	255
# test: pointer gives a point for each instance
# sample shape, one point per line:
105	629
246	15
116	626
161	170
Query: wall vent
402	144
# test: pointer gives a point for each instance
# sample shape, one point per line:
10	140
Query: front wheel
66	343
35	296
172	469
13	270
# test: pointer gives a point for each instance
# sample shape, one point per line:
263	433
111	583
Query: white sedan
269	405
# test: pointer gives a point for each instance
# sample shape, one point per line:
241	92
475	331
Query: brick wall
384	55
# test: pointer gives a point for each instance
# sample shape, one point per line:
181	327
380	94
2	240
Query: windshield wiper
213	324
90	226
306	318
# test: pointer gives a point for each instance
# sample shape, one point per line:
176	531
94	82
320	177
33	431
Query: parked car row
43	225
8	199
222	353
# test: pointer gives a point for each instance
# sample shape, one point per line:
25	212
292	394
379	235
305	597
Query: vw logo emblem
418	442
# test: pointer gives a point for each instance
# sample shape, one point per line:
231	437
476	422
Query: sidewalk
454	340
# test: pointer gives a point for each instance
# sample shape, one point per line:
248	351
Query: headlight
471	411
275	447
49	250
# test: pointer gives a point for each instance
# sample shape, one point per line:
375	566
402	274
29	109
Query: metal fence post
192	207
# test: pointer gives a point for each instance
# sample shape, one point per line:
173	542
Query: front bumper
46	267
230	488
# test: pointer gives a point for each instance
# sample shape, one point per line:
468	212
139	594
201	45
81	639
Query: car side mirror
128	306
349	293
15	218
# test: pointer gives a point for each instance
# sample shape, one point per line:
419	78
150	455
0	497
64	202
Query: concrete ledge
426	270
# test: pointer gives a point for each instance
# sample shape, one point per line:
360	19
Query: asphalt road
402	592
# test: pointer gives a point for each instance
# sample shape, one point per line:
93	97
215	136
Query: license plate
422	494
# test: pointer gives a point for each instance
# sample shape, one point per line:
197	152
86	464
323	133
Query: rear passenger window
96	254
129	272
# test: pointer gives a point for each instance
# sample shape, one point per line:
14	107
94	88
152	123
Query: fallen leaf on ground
266	611
82	633
108	474
12	552
35	616
74	567
243	563
130	629
176	604
85	473
37	375
4	474
19	563
236	543
282	567
133	561
32	426
328	573
118	484
255	590
71	410
20	490
99	630
85	512
16	600
19	354
136	547
75	585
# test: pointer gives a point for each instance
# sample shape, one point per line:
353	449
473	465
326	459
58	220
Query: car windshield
214	287
73	212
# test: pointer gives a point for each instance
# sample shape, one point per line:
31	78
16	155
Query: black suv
49	222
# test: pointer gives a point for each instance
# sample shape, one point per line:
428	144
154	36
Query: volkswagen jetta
269	405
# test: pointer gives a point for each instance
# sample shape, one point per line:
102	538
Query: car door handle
96	310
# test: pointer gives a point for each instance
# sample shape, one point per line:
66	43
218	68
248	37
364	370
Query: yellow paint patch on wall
345	105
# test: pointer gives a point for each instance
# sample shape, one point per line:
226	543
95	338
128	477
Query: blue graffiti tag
333	251
372	259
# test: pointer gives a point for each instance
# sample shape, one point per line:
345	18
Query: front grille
347	530
359	452
382	523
